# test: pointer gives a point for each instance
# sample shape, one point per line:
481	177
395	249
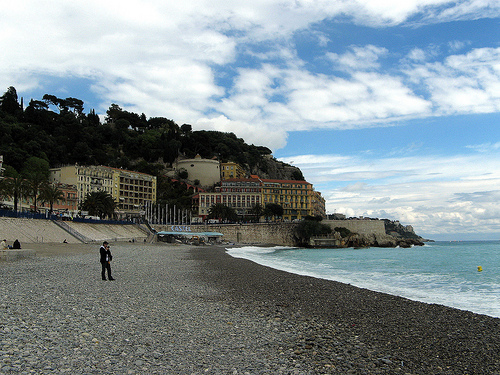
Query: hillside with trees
55	132
58	131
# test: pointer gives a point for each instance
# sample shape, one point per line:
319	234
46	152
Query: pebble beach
176	309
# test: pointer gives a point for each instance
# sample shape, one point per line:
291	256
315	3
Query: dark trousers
106	266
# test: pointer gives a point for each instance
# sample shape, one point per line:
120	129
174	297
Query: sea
460	274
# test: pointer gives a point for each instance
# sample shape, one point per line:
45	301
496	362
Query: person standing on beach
106	258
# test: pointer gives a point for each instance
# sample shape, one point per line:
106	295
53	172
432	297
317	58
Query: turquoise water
440	272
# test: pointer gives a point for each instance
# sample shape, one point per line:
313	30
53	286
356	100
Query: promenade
29	231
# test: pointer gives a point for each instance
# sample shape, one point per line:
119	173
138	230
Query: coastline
177	309
390	333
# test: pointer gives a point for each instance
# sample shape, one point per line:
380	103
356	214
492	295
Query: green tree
257	211
273	210
36	172
308	228
14	188
99	203
9	103
50	194
222	212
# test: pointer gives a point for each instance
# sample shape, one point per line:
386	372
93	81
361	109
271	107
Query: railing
73	232
26	215
46	216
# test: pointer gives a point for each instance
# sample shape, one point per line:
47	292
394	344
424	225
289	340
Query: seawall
257	233
46	231
364	227
254	233
283	233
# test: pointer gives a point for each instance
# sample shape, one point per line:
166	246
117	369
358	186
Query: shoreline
196	309
405	335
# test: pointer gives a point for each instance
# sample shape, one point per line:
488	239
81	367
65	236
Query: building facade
318	204
297	198
69	202
231	170
242	194
294	196
206	171
130	190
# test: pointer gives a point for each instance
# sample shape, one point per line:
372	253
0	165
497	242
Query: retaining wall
376	227
258	233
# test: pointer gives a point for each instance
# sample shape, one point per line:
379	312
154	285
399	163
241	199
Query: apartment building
296	197
231	170
242	194
130	190
318	204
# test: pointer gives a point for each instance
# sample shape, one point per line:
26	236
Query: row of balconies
124	180
135	188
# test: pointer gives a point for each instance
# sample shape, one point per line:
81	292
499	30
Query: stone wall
279	233
376	227
261	233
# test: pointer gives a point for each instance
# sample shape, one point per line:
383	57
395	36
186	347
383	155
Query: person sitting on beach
16	244
3	245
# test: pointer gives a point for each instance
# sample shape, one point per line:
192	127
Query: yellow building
294	196
231	170
297	198
318	205
130	190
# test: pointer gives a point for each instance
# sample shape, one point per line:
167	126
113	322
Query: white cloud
436	194
485	147
359	58
251	133
468	83
164	58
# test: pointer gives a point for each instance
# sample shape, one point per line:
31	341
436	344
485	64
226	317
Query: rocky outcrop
401	232
342	239
269	167
377	240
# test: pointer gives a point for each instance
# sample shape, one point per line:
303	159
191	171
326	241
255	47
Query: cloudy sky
391	108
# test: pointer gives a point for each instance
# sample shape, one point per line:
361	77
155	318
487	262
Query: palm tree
222	212
33	189
50	194
99	203
257	211
36	171
14	188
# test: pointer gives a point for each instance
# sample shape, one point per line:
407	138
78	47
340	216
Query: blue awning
191	234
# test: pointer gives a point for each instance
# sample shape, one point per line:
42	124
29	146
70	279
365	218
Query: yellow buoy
479	268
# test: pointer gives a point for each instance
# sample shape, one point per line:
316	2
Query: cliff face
397	230
369	233
270	168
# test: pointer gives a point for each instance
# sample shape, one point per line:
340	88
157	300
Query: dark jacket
105	252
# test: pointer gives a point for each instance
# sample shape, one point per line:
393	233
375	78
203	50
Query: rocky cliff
270	168
369	233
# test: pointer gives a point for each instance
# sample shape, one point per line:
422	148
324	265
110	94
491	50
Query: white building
206	171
